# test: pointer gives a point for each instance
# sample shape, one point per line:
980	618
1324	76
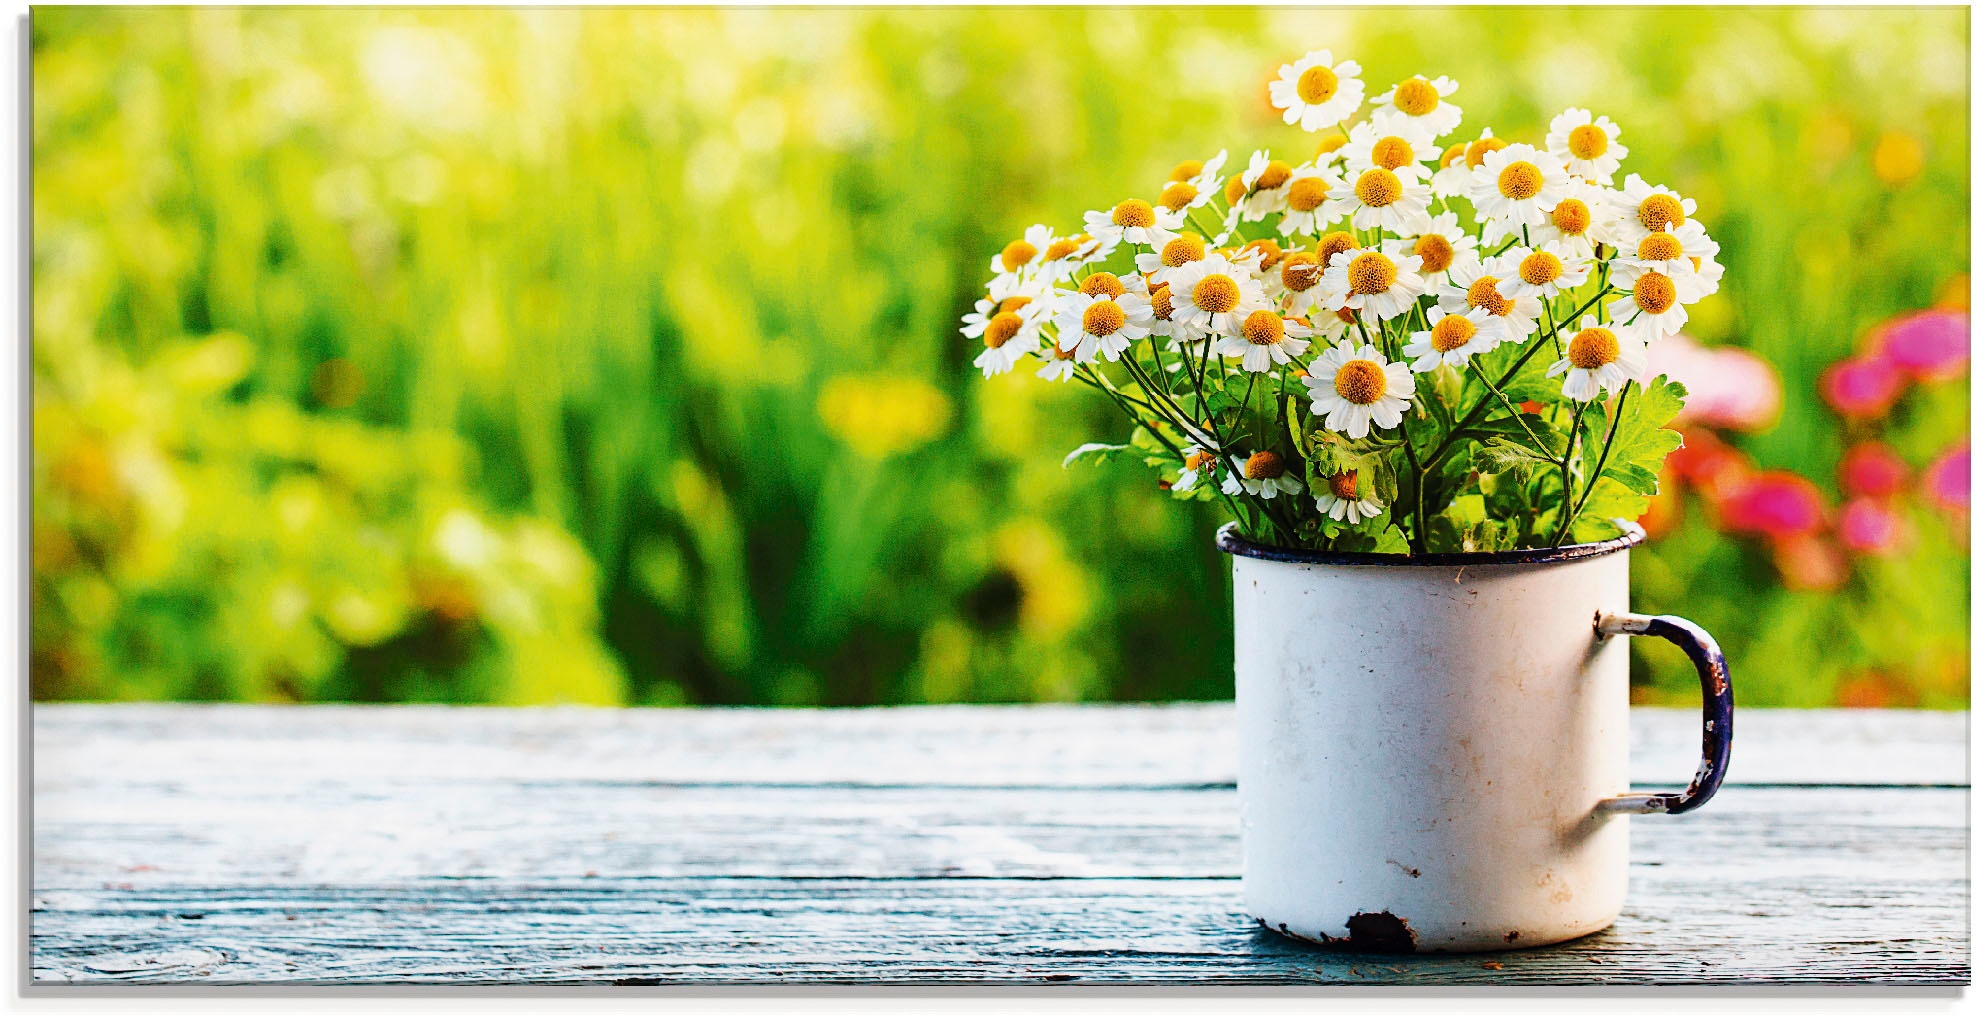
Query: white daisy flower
1329	151
1198	463
1133	221
1381	198
1439	248
1543	271
1586	147
1214	295
1263	189
1644	208
1598	359
1022	256
1652	311
1301	281
1398	144
1575	223
1451	340
1666	252
1478	285
1342	502
1518	185
1708	274
1163	325
1102	324
1452	178
1060	364
1316	92
1352	387
1265	339
1421	101
1261	474
1192	184
1307	197
1176	252
1065	255
1373	282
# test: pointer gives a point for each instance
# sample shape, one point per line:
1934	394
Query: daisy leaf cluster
1415	339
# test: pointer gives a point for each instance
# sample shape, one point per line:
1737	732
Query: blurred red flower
1872	469
1809	563
1705	462
1930	345
1870	526
1776	503
1947	479
1863	388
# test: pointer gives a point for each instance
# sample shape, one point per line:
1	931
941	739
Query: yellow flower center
1177	196
1273	175
1453	152
1012	304
1371	274
1482	294
1134	214
1346	315
1300	272
1216	294
1540	268
1479	149
1102	283
1307	193
1571	217
1160	301
1435	252
1660	247
1186	170
1330	143
1360	381
1001	329
1016	254
1379	187
1520	181
1659	211
1333	244
1102	318
1343	485
1588	141
1654	292
1198	460
1391	152
1062	247
1063	354
1416	97
1188	247
1592	348
1269	250
1317	84
1263	327
1236	188
1451	332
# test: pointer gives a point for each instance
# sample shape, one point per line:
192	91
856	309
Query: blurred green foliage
610	356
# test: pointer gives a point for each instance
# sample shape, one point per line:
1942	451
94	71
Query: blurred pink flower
1862	388
1810	563
1727	387
1947	479
1872	469
1931	345
1779	504
1867	525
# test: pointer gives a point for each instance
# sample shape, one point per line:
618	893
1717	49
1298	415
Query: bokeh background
611	356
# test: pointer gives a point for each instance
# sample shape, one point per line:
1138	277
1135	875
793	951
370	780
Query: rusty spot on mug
1381	932
1413	871
1511	936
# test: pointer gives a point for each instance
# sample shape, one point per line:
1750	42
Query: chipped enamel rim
1230	540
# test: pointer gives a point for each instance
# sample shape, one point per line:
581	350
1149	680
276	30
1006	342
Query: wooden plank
1044	745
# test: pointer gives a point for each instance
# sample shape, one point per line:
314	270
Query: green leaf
1640	443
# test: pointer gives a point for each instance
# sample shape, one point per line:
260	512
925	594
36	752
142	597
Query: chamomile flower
1214	295
1316	92
1064	255
1262	474
1479	285
1176	252
1645	208
1651	311
1198	463
1454	174
1102	324
1451	340
1352	387
1417	100
1192	184
1574	223
1021	256
1400	145
1307	199
1666	253
1382	199
1598	359
1060	364
1517	185
1133	221
1265	339
1008	337
1439	249
1028	297
1163	325
1543	271
1585	147
1373	282
1341	501
1301	281
1263	189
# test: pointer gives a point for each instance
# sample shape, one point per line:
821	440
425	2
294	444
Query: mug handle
1718	710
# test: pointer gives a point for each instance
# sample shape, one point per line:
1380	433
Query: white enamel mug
1433	748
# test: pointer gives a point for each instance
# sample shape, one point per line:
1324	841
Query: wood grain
235	844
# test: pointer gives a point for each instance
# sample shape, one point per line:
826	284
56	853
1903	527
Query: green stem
1604	452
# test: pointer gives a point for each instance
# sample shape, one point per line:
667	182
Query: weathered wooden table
1023	845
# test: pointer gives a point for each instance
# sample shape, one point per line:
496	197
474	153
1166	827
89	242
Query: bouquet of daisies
1402	344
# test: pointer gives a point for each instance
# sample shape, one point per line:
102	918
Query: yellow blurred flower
1897	158
880	415
1054	591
